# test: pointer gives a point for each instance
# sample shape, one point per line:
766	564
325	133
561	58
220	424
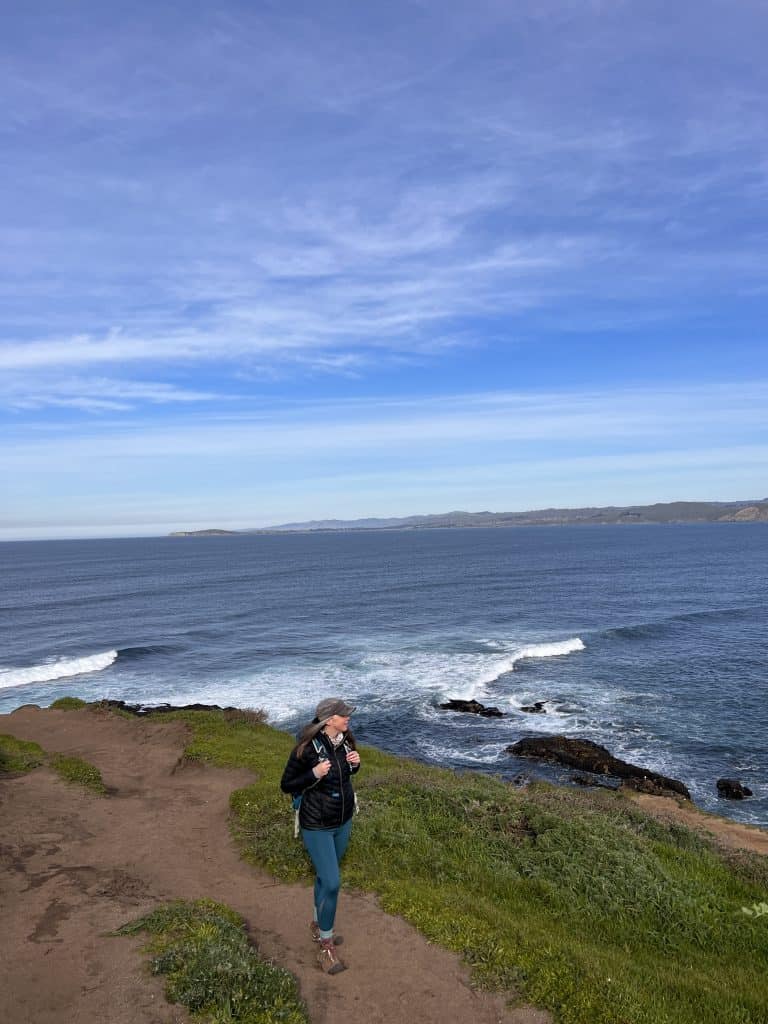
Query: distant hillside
205	533
662	512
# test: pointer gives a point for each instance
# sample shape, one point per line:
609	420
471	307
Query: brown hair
309	732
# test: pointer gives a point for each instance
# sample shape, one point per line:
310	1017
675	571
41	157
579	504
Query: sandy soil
730	834
76	866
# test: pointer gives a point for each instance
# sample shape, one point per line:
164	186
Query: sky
276	261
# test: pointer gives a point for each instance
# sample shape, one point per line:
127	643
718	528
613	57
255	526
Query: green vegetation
19	755
23	755
575	899
202	949
68	704
75	769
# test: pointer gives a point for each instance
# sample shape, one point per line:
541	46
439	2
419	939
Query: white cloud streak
427	426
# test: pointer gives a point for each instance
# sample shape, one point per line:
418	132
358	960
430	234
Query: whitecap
60	668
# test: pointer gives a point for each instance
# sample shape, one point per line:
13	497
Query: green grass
68	704
18	756
75	769
575	899
203	951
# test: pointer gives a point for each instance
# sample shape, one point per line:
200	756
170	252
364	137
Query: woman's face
339	722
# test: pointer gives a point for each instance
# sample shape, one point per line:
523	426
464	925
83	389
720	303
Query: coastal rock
537	708
590	780
154	709
591	757
649	786
732	789
472	707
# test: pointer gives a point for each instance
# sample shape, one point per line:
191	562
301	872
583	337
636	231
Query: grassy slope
577	899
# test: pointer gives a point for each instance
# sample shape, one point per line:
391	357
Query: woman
318	772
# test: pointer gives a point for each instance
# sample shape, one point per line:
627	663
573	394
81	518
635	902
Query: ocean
652	640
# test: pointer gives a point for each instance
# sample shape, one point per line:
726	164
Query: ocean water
650	640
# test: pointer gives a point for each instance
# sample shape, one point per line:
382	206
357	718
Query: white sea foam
60	668
379	675
487	754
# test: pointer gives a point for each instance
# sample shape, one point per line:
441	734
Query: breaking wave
61	668
545	650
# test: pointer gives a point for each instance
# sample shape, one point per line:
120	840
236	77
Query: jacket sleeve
297	777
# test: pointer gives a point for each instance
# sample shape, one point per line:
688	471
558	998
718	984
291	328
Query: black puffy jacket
328	802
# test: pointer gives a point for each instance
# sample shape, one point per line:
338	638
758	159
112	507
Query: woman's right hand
321	769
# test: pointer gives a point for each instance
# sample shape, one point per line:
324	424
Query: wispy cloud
537	423
94	394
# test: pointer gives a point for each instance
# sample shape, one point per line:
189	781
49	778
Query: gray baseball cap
332	706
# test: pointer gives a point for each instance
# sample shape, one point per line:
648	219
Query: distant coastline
611	515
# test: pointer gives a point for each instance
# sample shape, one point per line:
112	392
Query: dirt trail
75	866
731	834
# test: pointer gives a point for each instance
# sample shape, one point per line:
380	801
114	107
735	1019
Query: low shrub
211	969
17	756
75	769
69	704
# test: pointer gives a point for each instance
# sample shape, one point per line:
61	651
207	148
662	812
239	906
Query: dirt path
75	866
731	834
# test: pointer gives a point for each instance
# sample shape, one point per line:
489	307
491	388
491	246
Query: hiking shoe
328	958
315	929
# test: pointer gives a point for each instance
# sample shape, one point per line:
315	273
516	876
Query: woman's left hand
353	758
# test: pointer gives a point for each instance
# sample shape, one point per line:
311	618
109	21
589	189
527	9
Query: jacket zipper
341	783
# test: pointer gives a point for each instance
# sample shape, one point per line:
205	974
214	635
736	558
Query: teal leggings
326	847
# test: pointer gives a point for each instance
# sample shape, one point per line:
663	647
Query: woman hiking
319	773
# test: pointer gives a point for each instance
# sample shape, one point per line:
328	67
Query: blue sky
266	262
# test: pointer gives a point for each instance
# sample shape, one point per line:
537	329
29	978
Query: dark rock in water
732	789
154	709
537	708
472	707
590	757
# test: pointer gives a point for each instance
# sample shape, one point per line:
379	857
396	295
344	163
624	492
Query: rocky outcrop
748	514
155	709
732	789
472	707
537	708
652	786
591	757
